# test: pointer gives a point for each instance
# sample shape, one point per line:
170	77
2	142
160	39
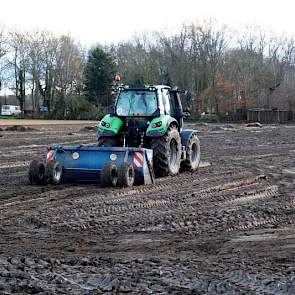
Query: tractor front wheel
167	153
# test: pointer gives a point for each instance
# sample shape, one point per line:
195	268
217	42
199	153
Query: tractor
140	138
151	117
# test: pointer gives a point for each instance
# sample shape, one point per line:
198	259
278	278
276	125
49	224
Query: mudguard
109	126
185	135
158	131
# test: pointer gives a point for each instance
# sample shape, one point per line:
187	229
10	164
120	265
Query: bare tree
19	50
3	52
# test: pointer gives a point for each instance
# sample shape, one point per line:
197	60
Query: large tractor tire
126	175
193	154
167	153
109	175
53	172
107	141
37	173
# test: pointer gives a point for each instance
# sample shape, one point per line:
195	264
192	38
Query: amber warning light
117	78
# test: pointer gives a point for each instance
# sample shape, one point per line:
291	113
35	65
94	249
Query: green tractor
151	116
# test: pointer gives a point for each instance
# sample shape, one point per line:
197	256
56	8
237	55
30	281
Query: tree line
222	70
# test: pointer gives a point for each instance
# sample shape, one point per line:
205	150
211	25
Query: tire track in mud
58	195
187	181
111	195
165	212
165	204
182	217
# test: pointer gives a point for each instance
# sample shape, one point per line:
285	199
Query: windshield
5	107
136	103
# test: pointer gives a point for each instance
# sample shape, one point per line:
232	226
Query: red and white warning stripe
138	159
50	155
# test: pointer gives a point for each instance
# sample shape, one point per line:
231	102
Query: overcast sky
106	21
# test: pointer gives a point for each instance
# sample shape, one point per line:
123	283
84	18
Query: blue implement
84	163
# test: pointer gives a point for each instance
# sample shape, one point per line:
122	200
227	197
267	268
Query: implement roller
109	166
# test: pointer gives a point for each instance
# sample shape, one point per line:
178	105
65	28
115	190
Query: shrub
81	109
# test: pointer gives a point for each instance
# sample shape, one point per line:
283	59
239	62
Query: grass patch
9	117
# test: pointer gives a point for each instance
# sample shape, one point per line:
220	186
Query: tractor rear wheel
37	173
126	175
107	141
193	154
109	175
167	153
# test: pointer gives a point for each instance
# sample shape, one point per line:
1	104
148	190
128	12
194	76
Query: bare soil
226	229
28	122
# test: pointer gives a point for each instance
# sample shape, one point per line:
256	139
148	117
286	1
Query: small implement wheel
53	171
193	154
109	175
37	173
126	175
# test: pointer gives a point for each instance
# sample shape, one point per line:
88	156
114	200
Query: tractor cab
139	105
140	113
148	101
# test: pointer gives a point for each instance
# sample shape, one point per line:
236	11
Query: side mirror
186	112
188	95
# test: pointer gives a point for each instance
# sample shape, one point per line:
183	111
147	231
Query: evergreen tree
99	71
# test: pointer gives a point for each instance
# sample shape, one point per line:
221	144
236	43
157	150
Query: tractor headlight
158	124
104	124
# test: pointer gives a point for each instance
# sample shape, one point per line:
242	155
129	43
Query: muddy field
226	229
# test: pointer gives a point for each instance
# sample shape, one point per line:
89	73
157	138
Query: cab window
166	101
